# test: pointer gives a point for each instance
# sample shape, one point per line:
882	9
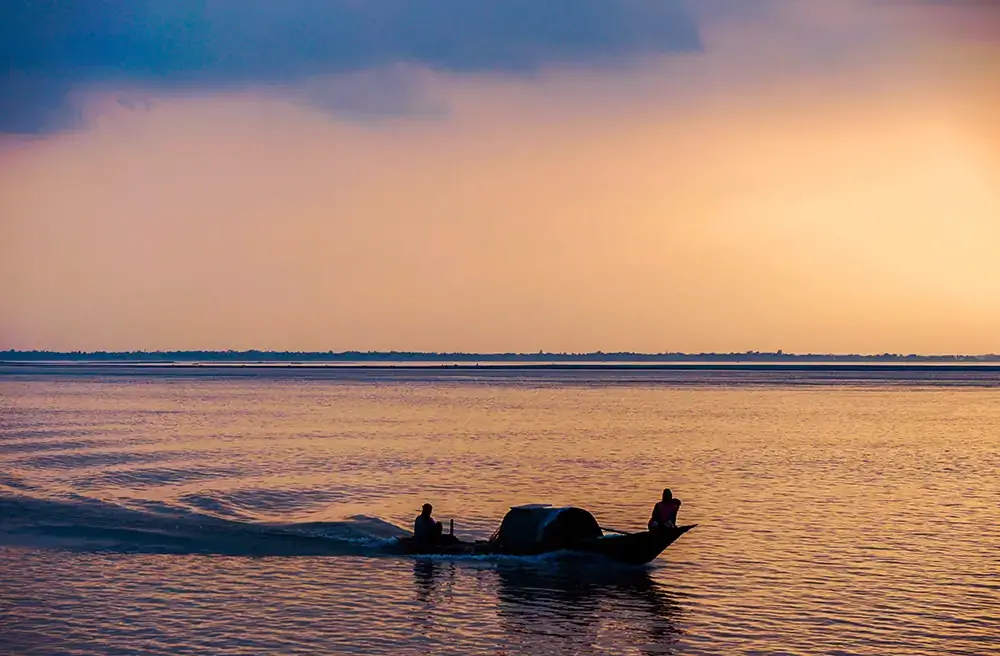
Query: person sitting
425	530
665	512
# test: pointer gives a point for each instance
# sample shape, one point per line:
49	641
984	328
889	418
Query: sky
503	175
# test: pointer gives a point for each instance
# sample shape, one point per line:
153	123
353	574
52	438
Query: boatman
665	512
425	530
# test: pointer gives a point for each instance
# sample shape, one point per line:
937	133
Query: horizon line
474	355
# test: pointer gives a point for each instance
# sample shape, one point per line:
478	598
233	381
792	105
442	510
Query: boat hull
448	546
634	548
631	549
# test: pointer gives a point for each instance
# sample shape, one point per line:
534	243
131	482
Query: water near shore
198	511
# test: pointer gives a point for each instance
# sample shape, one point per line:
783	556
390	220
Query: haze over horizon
614	175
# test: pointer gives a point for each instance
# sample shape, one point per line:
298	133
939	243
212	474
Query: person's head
426	510
667	494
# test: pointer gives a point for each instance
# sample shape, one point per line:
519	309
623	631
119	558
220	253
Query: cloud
51	48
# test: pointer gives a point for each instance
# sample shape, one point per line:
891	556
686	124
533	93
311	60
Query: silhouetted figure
665	512
425	530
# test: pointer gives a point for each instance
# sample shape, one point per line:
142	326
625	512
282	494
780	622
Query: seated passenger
665	512
425	530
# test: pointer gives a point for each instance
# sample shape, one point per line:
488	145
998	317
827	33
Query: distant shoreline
754	359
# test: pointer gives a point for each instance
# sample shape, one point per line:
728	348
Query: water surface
147	513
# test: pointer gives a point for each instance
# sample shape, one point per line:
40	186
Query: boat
539	528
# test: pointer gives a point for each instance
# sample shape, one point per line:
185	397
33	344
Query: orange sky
820	179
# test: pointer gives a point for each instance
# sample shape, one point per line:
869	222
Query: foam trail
78	523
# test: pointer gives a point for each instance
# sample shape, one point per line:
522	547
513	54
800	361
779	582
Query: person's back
665	512
425	529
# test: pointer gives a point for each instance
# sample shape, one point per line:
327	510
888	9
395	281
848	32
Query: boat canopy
543	528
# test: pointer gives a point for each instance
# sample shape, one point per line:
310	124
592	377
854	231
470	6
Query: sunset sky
501	175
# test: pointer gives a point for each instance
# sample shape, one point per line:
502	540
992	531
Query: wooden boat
537	529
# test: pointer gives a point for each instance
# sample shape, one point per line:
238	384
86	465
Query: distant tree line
417	356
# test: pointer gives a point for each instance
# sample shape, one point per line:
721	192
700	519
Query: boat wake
77	523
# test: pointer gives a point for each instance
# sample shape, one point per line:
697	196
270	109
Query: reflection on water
433	579
544	607
582	608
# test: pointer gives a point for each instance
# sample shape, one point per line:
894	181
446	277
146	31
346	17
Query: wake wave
77	523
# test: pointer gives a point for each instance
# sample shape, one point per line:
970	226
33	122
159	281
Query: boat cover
542	528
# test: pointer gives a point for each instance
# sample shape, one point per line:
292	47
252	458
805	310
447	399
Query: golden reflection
556	609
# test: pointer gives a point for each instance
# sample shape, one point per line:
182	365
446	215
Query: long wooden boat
537	529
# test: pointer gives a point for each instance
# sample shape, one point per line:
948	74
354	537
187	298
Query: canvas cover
543	528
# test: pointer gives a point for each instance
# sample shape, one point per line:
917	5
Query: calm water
212	514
